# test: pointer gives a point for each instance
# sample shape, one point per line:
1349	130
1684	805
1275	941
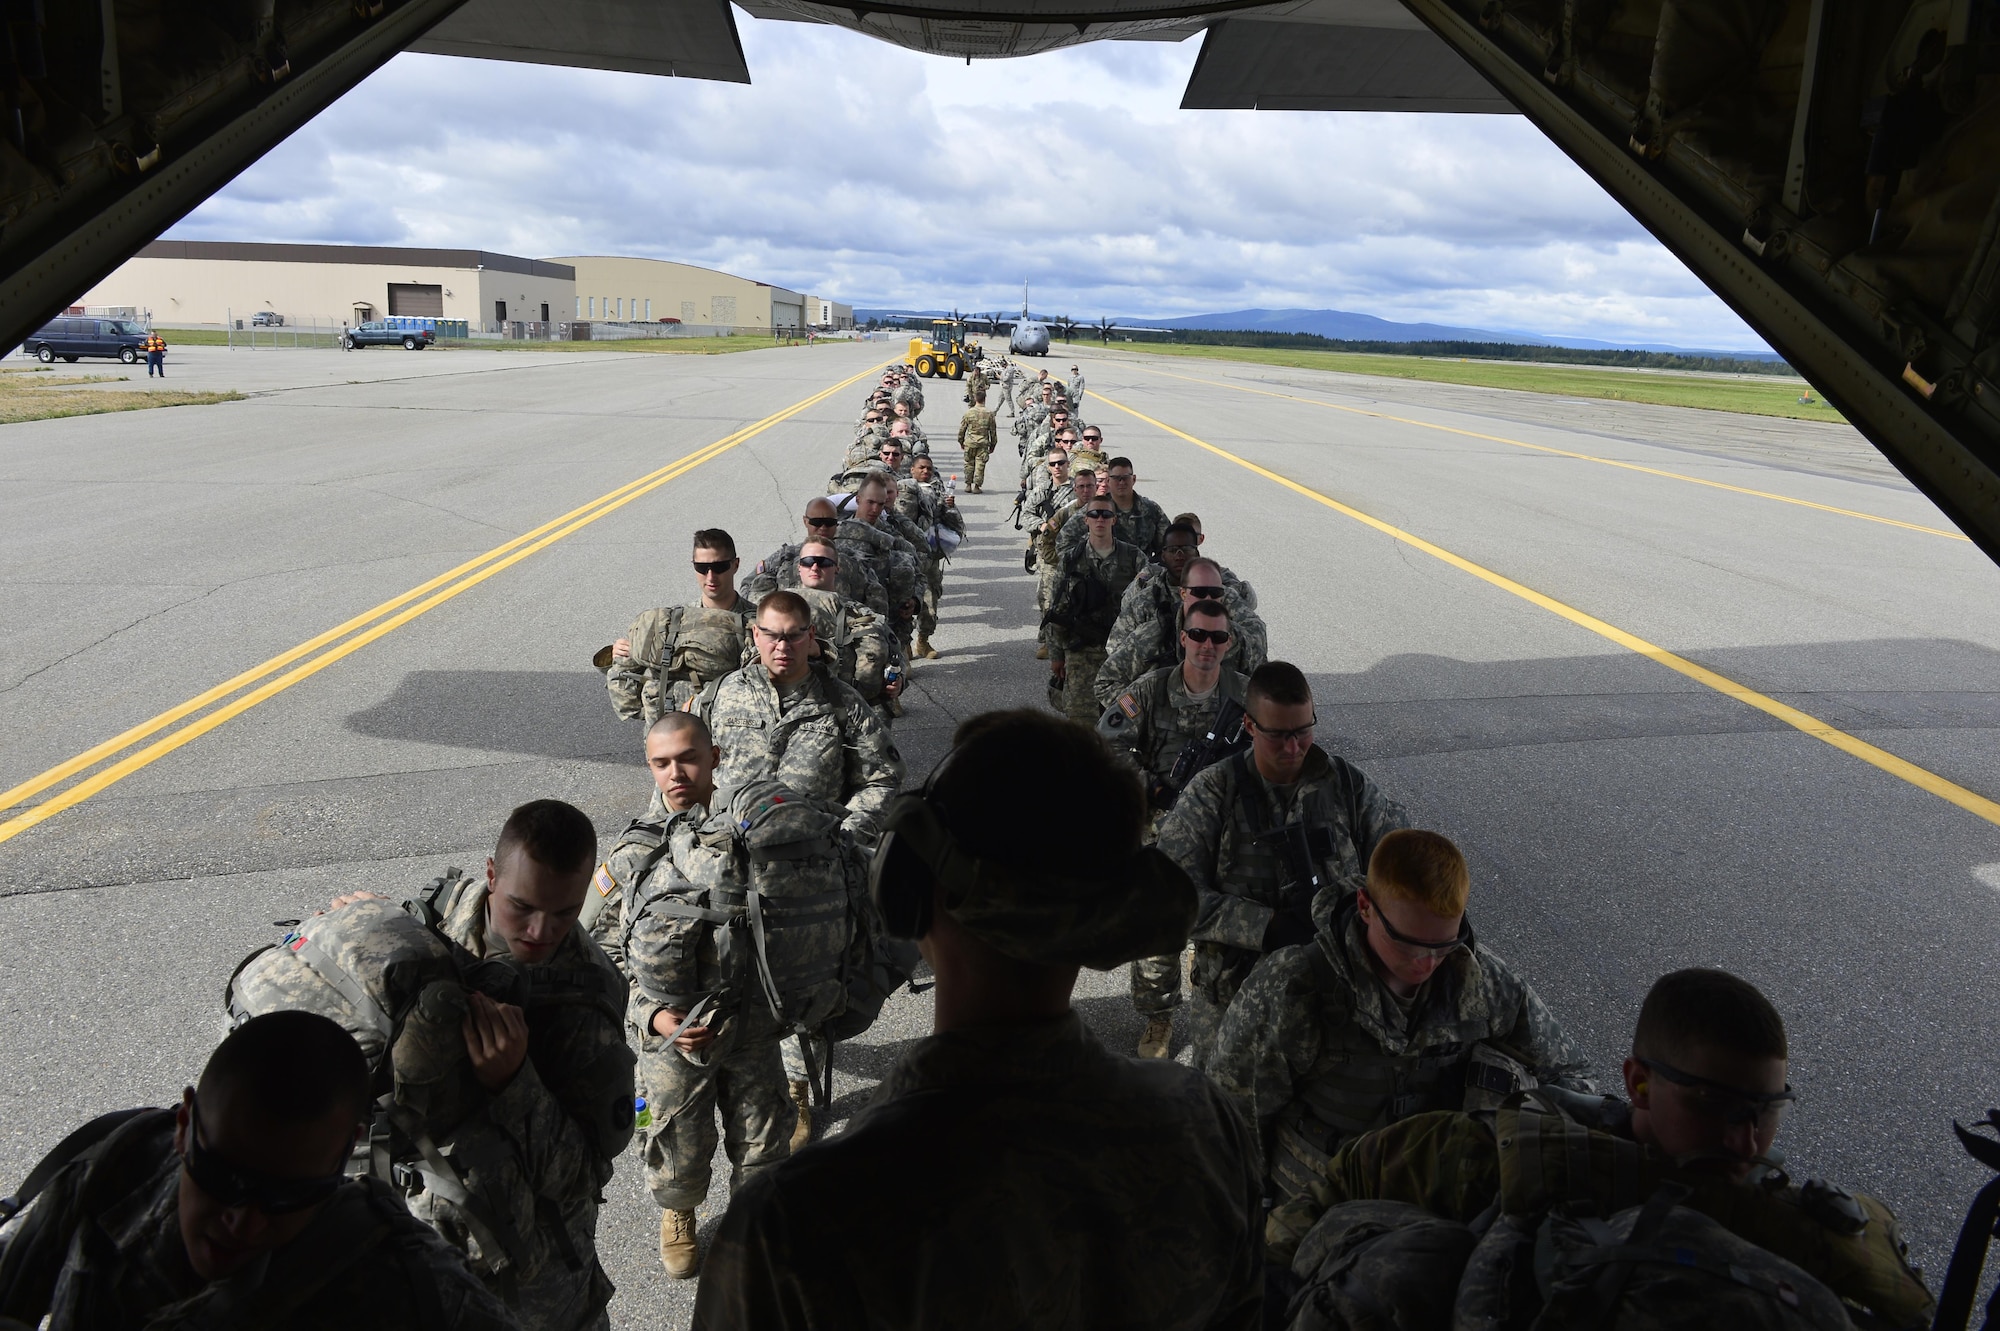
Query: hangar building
648	290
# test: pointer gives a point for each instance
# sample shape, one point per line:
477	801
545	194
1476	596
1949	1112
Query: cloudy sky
859	170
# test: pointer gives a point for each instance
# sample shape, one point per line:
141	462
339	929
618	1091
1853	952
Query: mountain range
1348	326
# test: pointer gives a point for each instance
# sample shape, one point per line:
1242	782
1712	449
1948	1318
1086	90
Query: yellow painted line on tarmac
1924	779
1945	532
400	611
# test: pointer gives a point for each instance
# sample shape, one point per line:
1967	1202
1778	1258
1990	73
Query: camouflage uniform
1144	525
1147	634
101	1248
819	738
779	570
1005	1176
1082	605
858	643
1223	832
636	849
921	505
1316	1049
889	559
927	578
978	435
741	1073
546	1141
677	651
1147	727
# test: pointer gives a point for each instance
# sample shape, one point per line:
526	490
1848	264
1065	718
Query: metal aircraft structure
1830	168
1030	337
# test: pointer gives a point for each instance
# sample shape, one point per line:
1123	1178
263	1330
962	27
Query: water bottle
891	674
642	1113
951	485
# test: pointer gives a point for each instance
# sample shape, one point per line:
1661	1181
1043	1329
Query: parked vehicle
379	334
267	319
71	337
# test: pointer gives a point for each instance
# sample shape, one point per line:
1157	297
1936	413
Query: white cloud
877	175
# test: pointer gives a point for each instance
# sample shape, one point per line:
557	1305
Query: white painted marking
1988	874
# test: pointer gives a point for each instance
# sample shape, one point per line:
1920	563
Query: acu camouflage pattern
637	848
1144	525
779	571
541	1150
1005	1177
1316	1053
1547	1147
1146	635
978	436
1213	836
677	651
1379	1264
858	642
821	740
1083	601
101	1248
890	560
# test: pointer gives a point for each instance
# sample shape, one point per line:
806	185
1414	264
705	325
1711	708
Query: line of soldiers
1380	1114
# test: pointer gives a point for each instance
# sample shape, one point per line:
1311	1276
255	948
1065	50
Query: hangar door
416	298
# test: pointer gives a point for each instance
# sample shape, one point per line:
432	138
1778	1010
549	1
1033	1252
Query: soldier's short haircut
1085	470
1411	864
787	603
1189	520
1707	1009
553	834
714	538
678	721
287	1067
1000	763
1126	463
1213	609
1278	682
875	476
1201	561
820	501
821	543
1183	528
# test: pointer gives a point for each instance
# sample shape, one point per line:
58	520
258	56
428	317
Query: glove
1286	929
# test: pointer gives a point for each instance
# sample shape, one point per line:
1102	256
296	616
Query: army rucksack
1378	1266
676	651
1657	1267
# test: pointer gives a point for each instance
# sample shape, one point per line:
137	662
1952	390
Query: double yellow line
337	643
1804	722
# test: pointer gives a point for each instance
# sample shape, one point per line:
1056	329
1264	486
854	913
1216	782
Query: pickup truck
379	334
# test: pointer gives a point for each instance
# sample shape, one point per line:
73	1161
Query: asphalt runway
1569	639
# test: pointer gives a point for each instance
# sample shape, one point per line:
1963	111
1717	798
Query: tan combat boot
803	1134
1157	1038
678	1251
1041	651
924	648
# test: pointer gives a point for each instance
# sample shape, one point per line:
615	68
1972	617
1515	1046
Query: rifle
1224	737
1020	499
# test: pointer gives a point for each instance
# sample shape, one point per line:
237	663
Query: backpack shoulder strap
98	1129
1246	799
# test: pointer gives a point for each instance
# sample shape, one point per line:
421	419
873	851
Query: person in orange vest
156	355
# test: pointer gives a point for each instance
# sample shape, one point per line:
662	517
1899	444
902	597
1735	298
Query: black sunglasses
716	566
1422	944
1204	593
818	561
822	522
232	1185
1104	514
1216	636
1731	1104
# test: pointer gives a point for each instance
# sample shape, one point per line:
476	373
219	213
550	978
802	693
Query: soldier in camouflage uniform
1146	635
855	641
909	394
1272	838
671	654
1140	521
1379	1017
866	536
978	436
1707	1087
1150	726
145	1227
790	721
780	569
891	458
921	500
1083	487
726	1059
1082	605
976	384
1011	1170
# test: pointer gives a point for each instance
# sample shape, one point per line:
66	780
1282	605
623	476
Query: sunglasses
1100	514
1715	1099
232	1185
1216	636
792	639
822	522
717	566
1292	736
1423	944
1121	475
1204	593
818	561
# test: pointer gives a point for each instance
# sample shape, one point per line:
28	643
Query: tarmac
1689	688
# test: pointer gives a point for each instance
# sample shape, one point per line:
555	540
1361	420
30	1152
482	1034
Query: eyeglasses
715	566
1422	944
232	1185
1292	736
1121	475
1204	593
1714	1099
1216	636
818	561
791	639
1100	514
822	522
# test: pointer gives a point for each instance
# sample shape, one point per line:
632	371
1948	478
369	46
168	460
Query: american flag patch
603	881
